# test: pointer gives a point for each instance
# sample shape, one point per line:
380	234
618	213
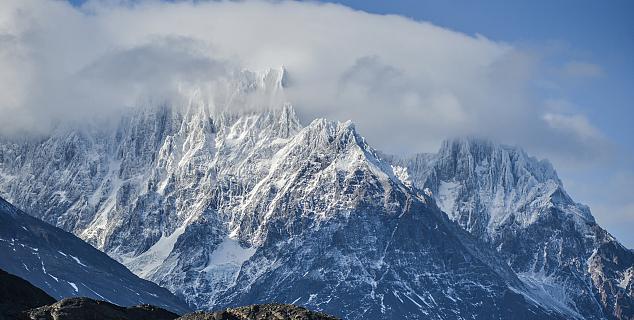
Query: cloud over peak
398	79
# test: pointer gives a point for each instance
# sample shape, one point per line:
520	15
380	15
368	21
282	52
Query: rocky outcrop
85	309
260	312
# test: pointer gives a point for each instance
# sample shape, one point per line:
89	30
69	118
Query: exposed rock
87	309
260	312
18	295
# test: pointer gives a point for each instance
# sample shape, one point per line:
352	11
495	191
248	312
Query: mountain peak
465	156
275	78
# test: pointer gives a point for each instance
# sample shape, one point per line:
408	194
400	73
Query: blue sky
584	71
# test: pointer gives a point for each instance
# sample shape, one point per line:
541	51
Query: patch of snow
77	260
93	291
226	261
397	296
546	292
402	175
446	197
229	253
628	276
145	264
72	284
412	300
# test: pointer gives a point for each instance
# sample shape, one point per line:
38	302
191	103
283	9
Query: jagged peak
274	78
513	158
344	137
268	80
328	130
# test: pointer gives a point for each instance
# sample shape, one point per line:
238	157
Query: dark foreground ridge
260	312
17	295
20	300
63	265
86	308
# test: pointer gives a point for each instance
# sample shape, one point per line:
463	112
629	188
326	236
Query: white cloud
576	125
398	79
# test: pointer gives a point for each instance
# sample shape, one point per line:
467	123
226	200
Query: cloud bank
398	79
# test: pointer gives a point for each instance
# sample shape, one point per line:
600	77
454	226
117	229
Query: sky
554	77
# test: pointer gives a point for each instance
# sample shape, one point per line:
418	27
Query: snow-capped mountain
65	266
228	208
518	205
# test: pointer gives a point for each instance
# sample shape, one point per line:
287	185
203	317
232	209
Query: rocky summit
85	308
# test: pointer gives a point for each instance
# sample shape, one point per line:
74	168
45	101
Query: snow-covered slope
65	266
519	206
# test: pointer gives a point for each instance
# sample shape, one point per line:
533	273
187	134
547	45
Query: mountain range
227	206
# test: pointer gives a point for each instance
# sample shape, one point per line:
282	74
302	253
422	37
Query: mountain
228	207
519	206
64	265
17	295
239	209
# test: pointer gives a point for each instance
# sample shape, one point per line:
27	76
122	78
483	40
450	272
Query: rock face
260	312
519	206
64	265
238	208
85	308
18	295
